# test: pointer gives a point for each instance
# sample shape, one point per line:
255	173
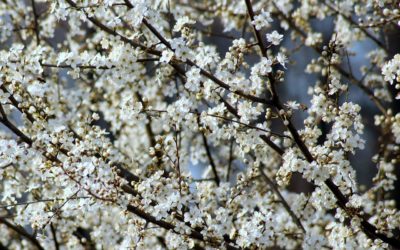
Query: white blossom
262	20
275	38
181	22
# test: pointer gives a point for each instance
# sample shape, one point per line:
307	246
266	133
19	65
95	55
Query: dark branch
19	230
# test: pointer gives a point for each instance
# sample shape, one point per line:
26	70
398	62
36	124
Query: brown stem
13	128
21	231
35	18
54	233
230	160
256	32
210	158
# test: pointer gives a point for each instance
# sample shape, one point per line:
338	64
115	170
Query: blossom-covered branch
222	124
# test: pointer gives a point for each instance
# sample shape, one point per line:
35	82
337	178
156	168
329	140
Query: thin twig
210	158
38	201
35	18
230	160
81	66
256	32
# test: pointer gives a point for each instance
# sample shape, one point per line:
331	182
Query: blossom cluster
128	124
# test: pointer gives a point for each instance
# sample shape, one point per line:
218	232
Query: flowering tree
107	106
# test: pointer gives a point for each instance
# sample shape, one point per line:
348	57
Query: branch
256	32
210	158
167	225
230	160
43	200
54	233
35	18
202	71
149	130
343	72
370	230
49	65
21	231
81	233
231	120
363	30
283	201
193	233
13	128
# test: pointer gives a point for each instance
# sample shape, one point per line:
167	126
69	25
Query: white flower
38	89
275	38
282	59
335	86
391	69
181	22
314	240
292	105
181	50
166	56
262	20
60	10
396	128
247	112
193	79
313	39
63	56
262	68
137	13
